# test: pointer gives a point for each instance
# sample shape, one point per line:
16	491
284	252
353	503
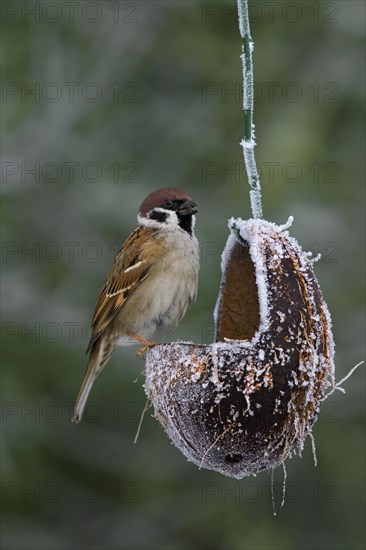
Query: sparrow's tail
99	355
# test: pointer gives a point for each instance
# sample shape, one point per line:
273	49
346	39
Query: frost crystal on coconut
247	402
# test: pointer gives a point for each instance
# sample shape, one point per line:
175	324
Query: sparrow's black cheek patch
158	216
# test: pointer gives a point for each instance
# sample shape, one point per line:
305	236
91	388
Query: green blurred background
103	102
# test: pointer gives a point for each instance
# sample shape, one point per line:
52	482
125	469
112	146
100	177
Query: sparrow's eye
168	203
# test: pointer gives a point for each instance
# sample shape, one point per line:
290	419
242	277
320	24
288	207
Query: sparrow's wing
129	269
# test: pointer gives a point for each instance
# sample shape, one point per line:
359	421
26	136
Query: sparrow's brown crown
158	199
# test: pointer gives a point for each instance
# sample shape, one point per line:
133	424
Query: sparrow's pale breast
163	297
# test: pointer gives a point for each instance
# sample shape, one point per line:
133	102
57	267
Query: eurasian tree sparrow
150	285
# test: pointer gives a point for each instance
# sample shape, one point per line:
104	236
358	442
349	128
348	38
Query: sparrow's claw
147	344
140	352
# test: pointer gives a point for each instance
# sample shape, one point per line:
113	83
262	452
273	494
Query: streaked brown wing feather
129	269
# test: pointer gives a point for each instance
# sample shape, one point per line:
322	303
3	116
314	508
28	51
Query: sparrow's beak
187	208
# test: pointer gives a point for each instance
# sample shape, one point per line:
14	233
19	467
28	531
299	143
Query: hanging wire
248	143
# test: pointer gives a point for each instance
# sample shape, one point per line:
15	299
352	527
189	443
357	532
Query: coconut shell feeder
246	402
